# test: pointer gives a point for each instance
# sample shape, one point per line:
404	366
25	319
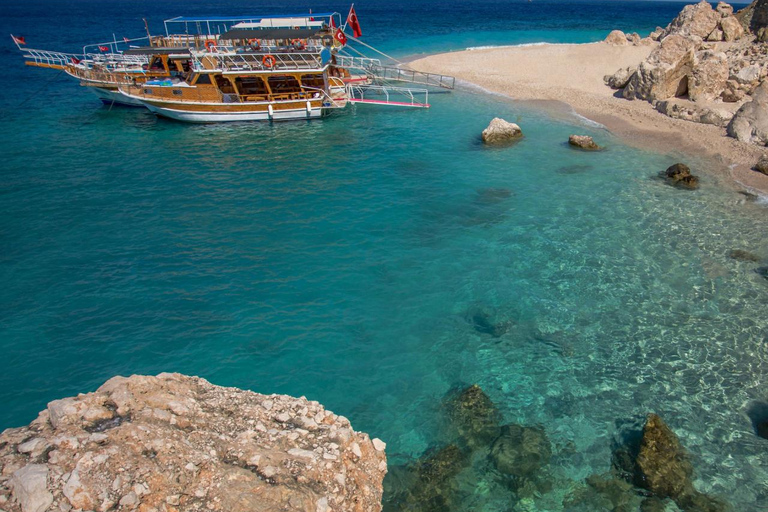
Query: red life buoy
210	44
269	61
298	44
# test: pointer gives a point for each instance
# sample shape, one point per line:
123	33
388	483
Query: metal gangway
387	95
381	74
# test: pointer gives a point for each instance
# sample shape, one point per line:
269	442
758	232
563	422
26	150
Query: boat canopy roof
278	33
203	19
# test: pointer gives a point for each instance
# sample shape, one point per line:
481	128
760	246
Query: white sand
573	74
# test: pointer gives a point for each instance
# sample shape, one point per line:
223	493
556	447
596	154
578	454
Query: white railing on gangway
383	95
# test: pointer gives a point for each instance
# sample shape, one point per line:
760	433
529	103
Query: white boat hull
110	96
218	117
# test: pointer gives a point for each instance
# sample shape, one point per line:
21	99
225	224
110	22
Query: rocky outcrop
697	20
708	77
680	176
665	72
620	79
750	124
688	111
173	443
500	131
762	164
731	29
617	38
583	142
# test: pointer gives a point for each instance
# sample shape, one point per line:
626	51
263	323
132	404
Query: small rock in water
763	271
583	142
500	131
680	175
742	255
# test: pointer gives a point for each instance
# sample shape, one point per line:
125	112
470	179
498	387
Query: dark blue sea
349	259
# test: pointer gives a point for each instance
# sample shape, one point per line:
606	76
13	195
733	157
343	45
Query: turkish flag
19	40
354	22
74	60
340	36
104	48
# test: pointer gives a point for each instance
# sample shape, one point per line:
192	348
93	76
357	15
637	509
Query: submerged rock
680	175
177	443
429	483
583	142
606	492
521	451
762	271
573	169
742	255
474	416
500	131
484	323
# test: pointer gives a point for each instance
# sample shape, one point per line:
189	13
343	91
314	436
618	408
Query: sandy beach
572	74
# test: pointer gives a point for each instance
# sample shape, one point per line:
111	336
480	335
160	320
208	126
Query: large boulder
620	78
708	77
664	73
750	124
175	443
694	20
500	131
617	38
732	29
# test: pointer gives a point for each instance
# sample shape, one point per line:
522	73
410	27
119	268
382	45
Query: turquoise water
339	260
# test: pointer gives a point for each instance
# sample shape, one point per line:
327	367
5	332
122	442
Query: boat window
315	81
177	92
203	80
157	64
281	84
147	91
251	86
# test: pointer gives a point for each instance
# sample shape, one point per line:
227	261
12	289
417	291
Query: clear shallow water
338	260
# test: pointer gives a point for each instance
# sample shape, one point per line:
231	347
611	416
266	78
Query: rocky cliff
175	443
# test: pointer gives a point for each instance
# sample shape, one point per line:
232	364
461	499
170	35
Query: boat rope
35	93
374	49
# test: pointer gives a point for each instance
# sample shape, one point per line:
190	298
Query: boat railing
46	58
386	73
257	61
363	63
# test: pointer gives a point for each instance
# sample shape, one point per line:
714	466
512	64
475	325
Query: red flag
354	22
333	22
74	61
340	36
18	40
104	48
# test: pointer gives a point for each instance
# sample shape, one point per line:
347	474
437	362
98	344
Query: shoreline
536	74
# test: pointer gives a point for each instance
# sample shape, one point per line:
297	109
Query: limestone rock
762	164
501	131
617	38
732	93
656	34
634	38
665	72
30	488
732	29
620	78
688	111
708	77
694	20
724	9
175	443
750	124
680	175
748	74
715	36
583	142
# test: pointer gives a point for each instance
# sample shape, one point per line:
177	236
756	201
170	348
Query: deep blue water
339	259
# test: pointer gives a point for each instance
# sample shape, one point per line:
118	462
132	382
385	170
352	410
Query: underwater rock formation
174	443
522	452
485	323
474	416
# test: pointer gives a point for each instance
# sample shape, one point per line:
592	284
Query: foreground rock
750	124
174	443
664	468
665	72
500	131
583	142
762	164
695	20
680	175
